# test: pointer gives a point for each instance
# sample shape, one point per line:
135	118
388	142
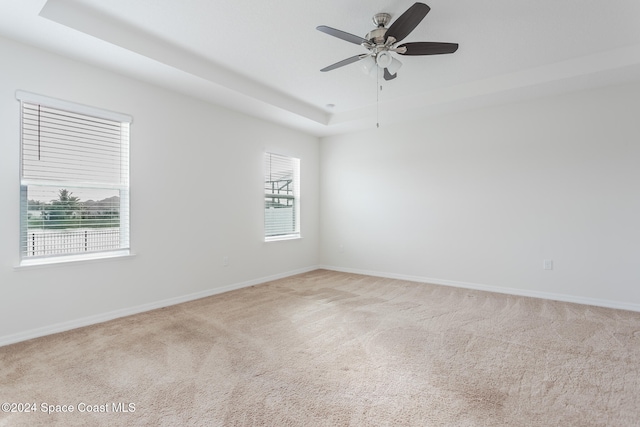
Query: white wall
474	199
480	198
196	196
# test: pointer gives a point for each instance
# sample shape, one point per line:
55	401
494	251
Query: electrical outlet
225	261
341	249
547	264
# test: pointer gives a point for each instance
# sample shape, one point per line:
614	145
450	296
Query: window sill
280	238
72	259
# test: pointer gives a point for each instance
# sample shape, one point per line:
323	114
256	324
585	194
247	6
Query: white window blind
282	197
74	179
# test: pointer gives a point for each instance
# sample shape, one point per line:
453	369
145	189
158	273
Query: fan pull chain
378	98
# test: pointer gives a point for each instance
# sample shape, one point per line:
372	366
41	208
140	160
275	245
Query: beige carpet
335	349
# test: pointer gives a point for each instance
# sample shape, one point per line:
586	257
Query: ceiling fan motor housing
376	36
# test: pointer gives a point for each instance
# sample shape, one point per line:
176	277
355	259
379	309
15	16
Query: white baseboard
510	291
104	317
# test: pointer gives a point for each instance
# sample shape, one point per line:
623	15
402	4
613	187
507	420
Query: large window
282	197
74	186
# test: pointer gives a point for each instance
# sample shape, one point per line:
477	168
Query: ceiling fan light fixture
368	65
394	66
384	59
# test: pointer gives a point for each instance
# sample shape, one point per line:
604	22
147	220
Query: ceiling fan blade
388	75
428	48
342	35
407	21
345	62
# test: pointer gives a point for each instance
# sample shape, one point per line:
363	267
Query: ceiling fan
381	41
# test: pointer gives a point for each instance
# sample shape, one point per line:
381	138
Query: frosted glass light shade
368	64
394	66
384	59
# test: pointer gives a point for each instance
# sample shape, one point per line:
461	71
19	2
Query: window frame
123	186
296	233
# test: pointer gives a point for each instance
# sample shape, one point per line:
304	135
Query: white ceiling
263	58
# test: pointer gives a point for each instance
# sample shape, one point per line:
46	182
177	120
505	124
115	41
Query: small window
282	197
74	185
